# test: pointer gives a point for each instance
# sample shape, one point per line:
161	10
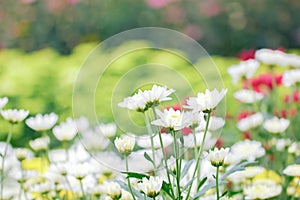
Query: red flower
246	54
186	131
219	143
263	82
247	136
244	114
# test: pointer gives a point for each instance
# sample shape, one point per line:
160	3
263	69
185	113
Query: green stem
148	125
81	187
195	142
128	181
177	159
164	154
199	156
217	183
8	139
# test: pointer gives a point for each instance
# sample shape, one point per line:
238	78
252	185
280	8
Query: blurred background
43	44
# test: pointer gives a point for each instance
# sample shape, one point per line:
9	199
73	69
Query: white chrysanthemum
294	148
57	155
172	119
41	143
125	144
196	118
113	190
151	187
282	144
3	102
217	156
108	130
66	131
14	116
171	164
250	122
248	96
292	170
23	153
248	150
206	101
208	143
143	100
126	195
246	69
291	77
42	122
271	57
82	124
262	191
214	124
79	170
94	141
276	125
145	141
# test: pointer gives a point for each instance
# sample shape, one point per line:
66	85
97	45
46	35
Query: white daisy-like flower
271	57
208	143
14	116
108	130
217	156
23	153
93	140
79	170
3	102
151	187
262	191
248	96
171	164
196	118
42	122
171	119
247	150
40	143
66	131
282	144
145	141
82	123
113	190
292	170
138	163
214	124
126	195
291	77
294	148
135	102
206	101
246	69
125	144
276	125
57	156
250	122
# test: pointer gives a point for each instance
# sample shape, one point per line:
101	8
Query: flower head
171	119
125	144
248	96
107	130
292	170
245	69
276	125
250	122
151	187
113	190
3	102
206	101
39	144
291	77
42	122
217	156
247	150
66	130
262	191
14	116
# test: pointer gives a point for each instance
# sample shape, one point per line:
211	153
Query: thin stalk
217	183
8	139
81	187
164	155
148	125
177	159
199	156
128	181
195	142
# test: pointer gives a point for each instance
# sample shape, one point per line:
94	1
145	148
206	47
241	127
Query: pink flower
158	3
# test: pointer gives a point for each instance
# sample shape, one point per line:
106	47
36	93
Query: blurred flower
66	130
42	122
244	70
14	116
208	143
264	82
138	163
210	8
262	191
3	102
291	77
246	54
282	144
125	144
217	156
276	125
151	187
292	170
108	130
158	3
206	101
214	124
294	148
247	150
171	119
82	124
196	118
126	195
248	96
113	190
23	153
171	164
145	142
250	122
93	140
43	188
79	170
57	155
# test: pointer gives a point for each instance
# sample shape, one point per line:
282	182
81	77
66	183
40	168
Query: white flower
282	143
217	156
291	77
145	141
276	125
151	187
171	164
143	100
108	130
246	69
247	150
214	124
248	96
172	119
294	148
196	118
3	102
57	155
113	190
250	122
262	191
66	130
208	143
82	123
94	141
126	195
42	122
79	170
23	153
125	144
14	116
41	143
206	101
292	170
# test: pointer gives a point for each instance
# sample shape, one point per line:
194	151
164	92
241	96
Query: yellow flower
268	174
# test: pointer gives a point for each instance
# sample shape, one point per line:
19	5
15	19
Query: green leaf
238	167
186	168
201	183
135	175
146	155
224	193
166	187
